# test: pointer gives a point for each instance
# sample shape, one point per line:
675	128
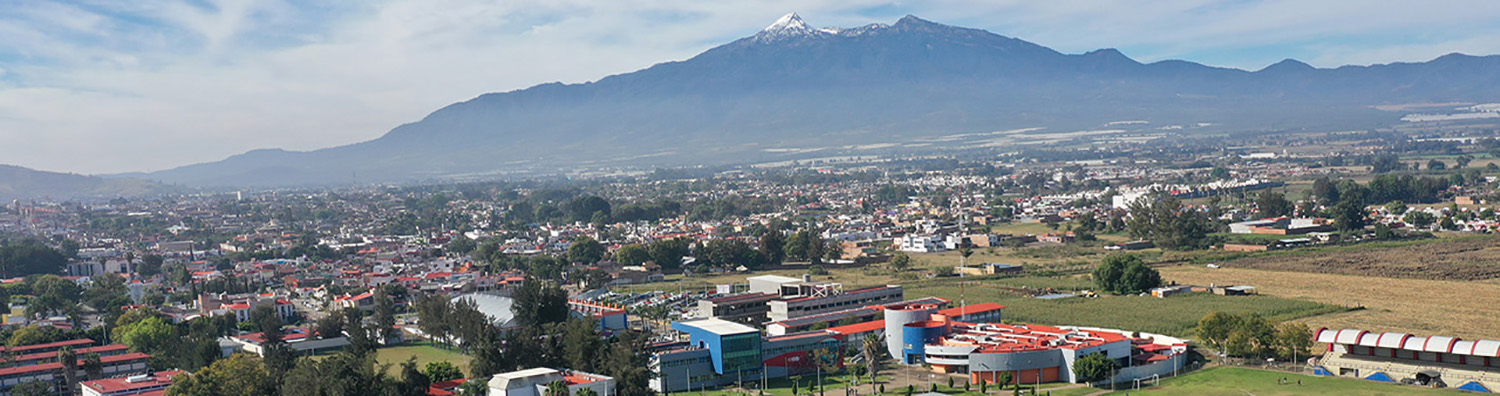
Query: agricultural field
1423	307
1241	381
1469	257
1173	316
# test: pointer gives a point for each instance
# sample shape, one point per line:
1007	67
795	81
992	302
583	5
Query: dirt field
1458	258
1422	307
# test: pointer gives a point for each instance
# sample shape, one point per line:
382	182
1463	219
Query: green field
425	352
783	386
1238	381
1177	315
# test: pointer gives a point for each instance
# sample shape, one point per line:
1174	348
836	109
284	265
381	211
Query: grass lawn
425	352
1239	381
1056	389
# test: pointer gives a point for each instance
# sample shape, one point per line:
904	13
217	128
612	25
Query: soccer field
424	352
1239	381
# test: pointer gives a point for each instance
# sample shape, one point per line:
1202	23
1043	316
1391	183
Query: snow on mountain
791	27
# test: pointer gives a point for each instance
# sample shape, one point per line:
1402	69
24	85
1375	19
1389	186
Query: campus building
52	373
774	298
720	352
961	340
153	384
1405	358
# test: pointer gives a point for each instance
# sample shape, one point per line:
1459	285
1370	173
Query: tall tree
240	375
1272	204
585	250
773	247
1093	368
632	254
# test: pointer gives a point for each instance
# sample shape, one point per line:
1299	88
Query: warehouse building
1405	358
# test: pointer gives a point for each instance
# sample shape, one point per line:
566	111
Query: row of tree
1254	336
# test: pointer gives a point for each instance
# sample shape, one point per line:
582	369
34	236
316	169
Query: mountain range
793	88
22	183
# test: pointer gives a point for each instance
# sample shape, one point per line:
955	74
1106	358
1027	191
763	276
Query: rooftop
122	384
718	326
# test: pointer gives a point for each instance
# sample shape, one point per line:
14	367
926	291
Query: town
1047	271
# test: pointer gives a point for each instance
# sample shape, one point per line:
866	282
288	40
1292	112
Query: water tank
896	319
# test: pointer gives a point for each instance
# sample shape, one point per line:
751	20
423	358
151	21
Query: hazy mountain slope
792	85
22	183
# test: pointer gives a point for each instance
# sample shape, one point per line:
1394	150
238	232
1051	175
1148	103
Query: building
299	340
533	382
1404	358
921	243
989	269
853	315
52	373
721	352
922	334
747	308
817	298
152	384
610	318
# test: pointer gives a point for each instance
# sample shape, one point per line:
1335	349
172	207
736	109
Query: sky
100	87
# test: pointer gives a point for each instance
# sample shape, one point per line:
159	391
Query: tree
1419	219
632	254
93	365
537	302
731	253
1093	368
1272	204
278	357
1435	164
413	381
1325	191
556	388
442	370
240	375
668	253
31	334
1293	339
1215	327
1219	173
69	360
53	294
1349	215
29	257
151	335
1163	221
385	315
150	265
1385	163
32	388
773	247
460	245
585	250
583	208
873	351
107	293
1396	207
1125	274
900	261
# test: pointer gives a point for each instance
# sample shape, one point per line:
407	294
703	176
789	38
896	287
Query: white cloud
100	86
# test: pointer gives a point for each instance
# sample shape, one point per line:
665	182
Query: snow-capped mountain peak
788	22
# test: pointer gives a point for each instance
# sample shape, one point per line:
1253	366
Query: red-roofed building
446	388
114	366
145	384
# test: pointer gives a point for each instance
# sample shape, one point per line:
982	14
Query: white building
921	243
533	382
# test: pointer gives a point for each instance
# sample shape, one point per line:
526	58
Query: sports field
1239	381
425	352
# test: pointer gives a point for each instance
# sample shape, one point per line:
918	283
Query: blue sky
116	86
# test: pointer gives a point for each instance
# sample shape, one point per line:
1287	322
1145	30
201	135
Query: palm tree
871	349
557	388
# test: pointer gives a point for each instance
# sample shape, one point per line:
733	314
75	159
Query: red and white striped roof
1434	344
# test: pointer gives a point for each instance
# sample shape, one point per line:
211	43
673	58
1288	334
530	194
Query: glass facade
741	352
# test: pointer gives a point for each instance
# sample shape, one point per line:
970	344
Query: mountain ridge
793	85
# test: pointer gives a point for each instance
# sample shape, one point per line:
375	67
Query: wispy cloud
103	86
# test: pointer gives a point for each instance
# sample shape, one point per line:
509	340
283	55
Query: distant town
1350	262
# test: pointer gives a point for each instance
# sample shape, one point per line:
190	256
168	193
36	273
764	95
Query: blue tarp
1379	376
1474	387
1319	370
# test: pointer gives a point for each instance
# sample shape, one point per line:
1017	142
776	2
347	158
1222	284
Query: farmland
1463	309
1239	381
1457	258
